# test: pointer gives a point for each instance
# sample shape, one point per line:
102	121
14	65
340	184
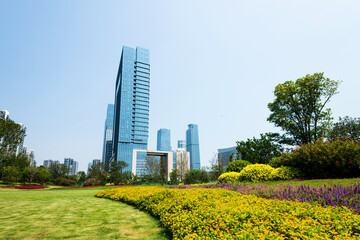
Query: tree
195	176
182	164
29	174
346	129
58	170
81	177
11	135
42	175
152	166
11	174
174	176
261	150
299	108
217	167
163	169
116	168
97	171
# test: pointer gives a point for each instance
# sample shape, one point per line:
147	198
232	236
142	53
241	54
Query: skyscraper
131	118
73	165
181	144
108	136
192	146
163	140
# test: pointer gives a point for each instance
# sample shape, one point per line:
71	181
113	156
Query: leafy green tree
42	175
299	108
175	176
163	169
58	170
260	150
195	176
11	135
217	167
237	166
29	174
20	161
11	174
97	171
346	129
116	168
81	177
152	166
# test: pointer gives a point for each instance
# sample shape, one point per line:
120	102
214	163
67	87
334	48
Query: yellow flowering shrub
229	177
285	173
256	172
201	213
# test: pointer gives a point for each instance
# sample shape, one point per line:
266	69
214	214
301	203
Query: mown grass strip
72	214
222	214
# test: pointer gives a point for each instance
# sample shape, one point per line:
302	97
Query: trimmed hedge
256	172
229	177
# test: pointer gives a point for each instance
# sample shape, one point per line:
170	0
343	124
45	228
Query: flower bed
337	196
201	213
31	187
103	186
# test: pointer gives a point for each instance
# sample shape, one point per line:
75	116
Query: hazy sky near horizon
213	63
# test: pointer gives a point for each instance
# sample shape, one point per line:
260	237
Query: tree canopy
299	108
347	128
11	135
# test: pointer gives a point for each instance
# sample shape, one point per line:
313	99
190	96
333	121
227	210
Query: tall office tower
108	136
131	112
4	114
95	161
181	144
163	140
73	165
192	146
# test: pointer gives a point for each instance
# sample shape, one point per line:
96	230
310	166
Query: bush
285	173
92	182
64	181
237	166
256	172
229	177
195	176
324	159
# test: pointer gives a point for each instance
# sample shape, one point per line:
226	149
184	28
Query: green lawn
71	214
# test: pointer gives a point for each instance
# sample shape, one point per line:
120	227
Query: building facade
181	144
48	163
4	114
192	146
227	155
163	140
131	108
108	136
95	161
72	164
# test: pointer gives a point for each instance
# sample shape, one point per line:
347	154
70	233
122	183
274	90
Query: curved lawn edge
223	214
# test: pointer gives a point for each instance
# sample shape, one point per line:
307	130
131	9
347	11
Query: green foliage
62	181
98	172
237	165
285	173
29	174
195	176
116	168
92	182
58	170
256	172
298	108
42	175
260	150
11	135
229	177
325	159
346	129
81	178
11	174
175	176
217	167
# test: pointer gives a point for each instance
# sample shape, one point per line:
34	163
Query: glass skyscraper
181	144
192	146
131	112
163	140
108	136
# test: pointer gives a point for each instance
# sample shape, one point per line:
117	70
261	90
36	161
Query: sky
213	63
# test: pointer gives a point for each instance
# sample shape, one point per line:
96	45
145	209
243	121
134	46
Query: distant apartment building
72	164
30	153
4	114
108	136
96	161
48	163
227	155
181	160
192	145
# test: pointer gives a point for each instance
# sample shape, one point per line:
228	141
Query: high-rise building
95	161
4	114
30	153
73	165
131	110
181	144
192	146
227	154
48	163
108	136
163	140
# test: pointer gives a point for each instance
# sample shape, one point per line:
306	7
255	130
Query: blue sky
213	63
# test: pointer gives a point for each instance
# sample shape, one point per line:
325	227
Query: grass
72	214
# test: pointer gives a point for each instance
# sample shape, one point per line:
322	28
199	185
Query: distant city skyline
213	63
163	140
193	146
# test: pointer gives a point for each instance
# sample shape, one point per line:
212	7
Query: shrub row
260	172
324	159
221	214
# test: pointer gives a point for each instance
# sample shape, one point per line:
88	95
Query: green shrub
237	166
195	176
229	177
324	159
92	182
64	181
256	172
285	173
